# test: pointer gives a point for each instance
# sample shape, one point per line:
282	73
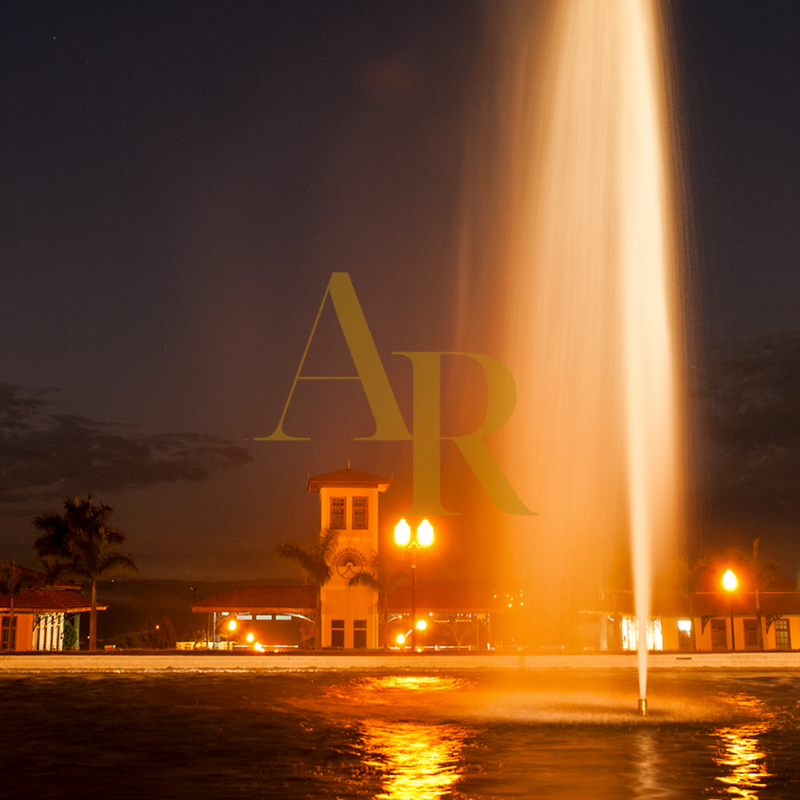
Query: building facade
34	618
350	614
708	622
348	501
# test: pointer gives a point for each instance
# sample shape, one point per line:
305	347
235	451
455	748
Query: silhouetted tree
159	637
458	629
685	577
315	562
762	575
78	545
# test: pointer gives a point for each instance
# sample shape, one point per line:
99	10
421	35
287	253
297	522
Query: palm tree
315	562
763	574
78	545
378	578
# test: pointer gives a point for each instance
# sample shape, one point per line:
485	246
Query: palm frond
365	579
14	579
379	576
115	564
315	560
77	544
293	552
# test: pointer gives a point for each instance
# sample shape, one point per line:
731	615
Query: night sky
179	181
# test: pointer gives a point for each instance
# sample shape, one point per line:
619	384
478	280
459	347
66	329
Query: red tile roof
263	599
349	477
444	600
711	604
743	604
29	601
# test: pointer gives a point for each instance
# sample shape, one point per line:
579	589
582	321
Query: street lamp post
423	538
730	583
226	622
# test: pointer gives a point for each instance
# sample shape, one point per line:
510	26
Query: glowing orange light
401	639
250	638
402	533
232	625
421	624
425	533
729	581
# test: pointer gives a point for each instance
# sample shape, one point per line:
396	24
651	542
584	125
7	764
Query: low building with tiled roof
273	616
705	622
445	599
34	617
261	600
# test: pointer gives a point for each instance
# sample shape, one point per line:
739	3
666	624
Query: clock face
348	563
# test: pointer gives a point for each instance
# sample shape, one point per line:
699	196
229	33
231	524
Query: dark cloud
751	421
45	455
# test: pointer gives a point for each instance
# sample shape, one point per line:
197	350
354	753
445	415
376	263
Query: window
684	634
782	641
9	634
719	634
360	513
629	633
337	633
360	633
750	634
338	513
655	638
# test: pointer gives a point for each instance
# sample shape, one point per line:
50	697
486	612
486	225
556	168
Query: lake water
400	733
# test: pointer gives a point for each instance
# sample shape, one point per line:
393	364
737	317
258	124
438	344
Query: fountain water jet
582	198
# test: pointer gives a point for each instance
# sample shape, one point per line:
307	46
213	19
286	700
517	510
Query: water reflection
414	760
650	767
420	759
741	753
369	694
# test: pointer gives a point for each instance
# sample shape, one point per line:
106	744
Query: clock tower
348	501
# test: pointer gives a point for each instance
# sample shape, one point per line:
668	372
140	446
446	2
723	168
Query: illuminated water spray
582	198
644	260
